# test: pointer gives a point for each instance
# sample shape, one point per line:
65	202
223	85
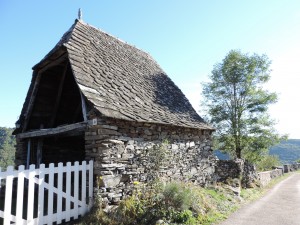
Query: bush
173	202
267	162
177	196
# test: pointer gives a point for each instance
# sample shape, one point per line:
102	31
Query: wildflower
136	182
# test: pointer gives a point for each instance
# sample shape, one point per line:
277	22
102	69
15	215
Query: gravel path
280	206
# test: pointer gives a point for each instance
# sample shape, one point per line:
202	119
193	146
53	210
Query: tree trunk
239	153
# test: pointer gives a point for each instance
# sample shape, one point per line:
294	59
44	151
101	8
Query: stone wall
291	167
266	176
226	170
126	152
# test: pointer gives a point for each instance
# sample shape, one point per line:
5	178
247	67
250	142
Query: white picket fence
46	195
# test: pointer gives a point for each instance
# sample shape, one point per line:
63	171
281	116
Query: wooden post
39	152
28	153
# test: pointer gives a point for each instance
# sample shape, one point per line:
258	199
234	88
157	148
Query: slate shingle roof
124	82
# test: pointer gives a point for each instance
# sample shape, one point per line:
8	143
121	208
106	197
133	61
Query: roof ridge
119	39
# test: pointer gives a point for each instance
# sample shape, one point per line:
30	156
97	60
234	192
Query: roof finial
79	14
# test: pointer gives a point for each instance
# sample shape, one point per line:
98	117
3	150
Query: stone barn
96	97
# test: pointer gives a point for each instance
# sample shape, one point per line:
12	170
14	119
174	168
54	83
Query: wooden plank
83	189
8	195
53	131
28	153
76	189
53	63
68	191
41	195
20	194
50	194
59	193
39	152
30	203
58	96
32	99
91	183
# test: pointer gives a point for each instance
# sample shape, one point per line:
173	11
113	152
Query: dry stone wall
226	170
266	176
126	152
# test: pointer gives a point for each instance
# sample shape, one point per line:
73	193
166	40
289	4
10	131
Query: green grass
177	203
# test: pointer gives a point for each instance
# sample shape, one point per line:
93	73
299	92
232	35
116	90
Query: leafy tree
7	149
237	103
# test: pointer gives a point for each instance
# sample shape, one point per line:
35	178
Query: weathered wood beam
83	106
35	88
57	61
58	96
53	131
32	99
28	153
39	152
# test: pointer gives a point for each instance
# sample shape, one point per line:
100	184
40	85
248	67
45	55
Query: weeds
173	203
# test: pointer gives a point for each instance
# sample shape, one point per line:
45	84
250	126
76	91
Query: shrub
267	162
177	196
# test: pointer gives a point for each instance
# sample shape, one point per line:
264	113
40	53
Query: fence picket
73	196
68	191
41	194
20	194
8	195
30	200
83	188
59	194
91	166
50	194
76	185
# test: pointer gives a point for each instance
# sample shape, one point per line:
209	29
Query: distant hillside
287	151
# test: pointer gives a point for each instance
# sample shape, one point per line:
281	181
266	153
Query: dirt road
280	206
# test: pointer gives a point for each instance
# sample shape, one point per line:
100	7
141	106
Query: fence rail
47	194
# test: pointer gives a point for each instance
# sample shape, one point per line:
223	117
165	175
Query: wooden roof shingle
122	81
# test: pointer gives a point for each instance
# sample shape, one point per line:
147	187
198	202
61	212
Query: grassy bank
175	203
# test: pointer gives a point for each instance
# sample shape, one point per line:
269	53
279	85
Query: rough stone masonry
124	152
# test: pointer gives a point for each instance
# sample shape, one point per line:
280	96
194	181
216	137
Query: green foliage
237	105
174	203
157	156
7	147
267	162
177	196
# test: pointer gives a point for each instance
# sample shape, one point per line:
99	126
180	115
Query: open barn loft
53	124
90	76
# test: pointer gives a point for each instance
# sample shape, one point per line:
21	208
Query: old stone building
96	97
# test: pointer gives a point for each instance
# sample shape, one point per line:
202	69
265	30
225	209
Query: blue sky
185	37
